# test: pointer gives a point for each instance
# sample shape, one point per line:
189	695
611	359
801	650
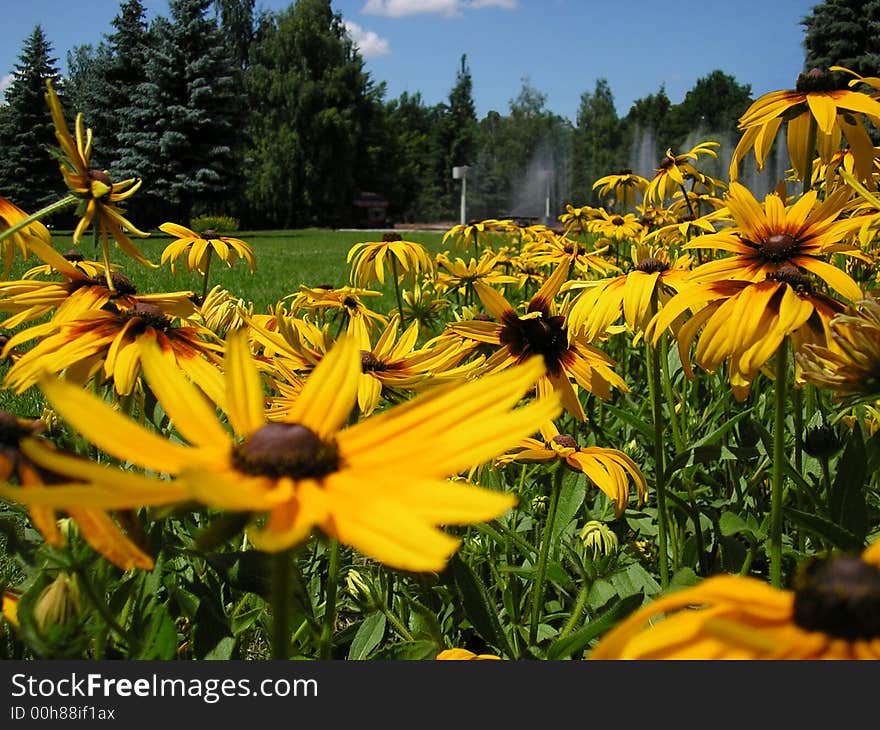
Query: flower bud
58	602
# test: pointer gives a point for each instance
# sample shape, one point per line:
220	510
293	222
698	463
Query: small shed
370	210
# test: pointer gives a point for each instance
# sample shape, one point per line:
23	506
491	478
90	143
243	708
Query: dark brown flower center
371	363
101	176
651	265
209	233
286	450
617	220
792	276
565	441
483	317
667	162
146	316
121	284
778	247
388	237
839	597
350	302
73	255
817	81
12	430
544	335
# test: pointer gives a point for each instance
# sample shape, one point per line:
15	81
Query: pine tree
843	33
29	174
184	118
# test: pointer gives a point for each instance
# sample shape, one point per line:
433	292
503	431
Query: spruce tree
457	132
843	33
597	142
184	118
29	175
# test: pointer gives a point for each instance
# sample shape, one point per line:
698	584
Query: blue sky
560	46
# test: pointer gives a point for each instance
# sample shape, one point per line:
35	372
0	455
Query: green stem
778	473
670	395
397	291
659	460
809	154
326	651
103	609
281	600
41	213
210	253
576	612
538	589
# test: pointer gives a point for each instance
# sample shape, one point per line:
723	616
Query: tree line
271	117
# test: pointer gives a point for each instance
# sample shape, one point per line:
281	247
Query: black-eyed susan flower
460	276
221	312
542	331
345	302
405	259
819	112
99	196
97	527
462	654
833	612
577	219
851	368
197	249
637	295
772	235
744	323
22	240
623	186
104	342
379	486
675	170
92	269
610	470
616	227
477	233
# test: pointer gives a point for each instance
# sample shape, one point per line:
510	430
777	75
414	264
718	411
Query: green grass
285	260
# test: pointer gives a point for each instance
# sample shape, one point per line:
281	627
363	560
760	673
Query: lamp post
459	172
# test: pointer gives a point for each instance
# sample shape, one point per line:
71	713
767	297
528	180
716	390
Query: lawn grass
285	260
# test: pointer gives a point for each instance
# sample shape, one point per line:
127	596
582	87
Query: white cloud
449	8
369	43
4	84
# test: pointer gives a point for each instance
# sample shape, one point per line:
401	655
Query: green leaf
577	641
161	638
709	455
368	636
838	536
646	429
477	606
731	523
222	650
409	650
848	493
571	498
210	632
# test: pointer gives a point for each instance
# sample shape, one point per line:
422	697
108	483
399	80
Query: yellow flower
196	249
463	235
832	613
346	301
461	275
674	170
105	341
852	366
609	469
406	259
598	538
766	238
578	219
462	654
97	527
744	323
24	239
616	227
541	331
379	486
818	102
637	295
221	312
623	186
11	597
99	195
